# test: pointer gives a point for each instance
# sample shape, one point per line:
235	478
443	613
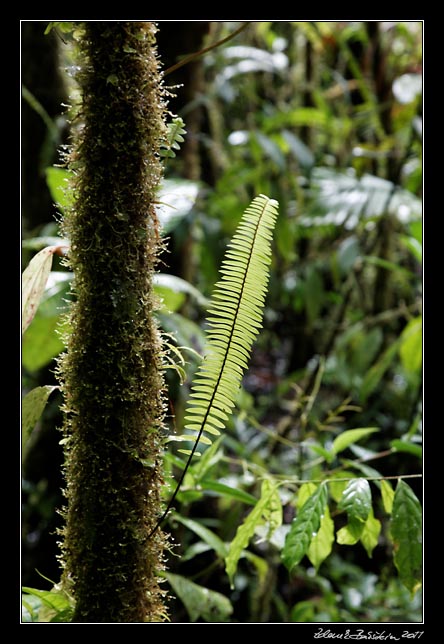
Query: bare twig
197	54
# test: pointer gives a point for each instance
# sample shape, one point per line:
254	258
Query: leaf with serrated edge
304	527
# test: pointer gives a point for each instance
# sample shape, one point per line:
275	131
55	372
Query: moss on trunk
112	372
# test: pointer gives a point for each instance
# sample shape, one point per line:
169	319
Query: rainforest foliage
300	490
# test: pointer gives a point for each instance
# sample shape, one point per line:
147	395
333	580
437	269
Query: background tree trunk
42	77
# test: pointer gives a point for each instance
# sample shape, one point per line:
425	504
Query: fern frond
174	137
234	321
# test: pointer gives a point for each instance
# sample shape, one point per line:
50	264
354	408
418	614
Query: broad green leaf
363	468
343	195
304	527
57	606
321	451
193	550
33	405
169	300
321	545
57	180
407	447
305	492
370	533
30	608
406	533
173	290
356	500
34	280
199	601
204	533
261	512
42	342
350	533
336	488
410	350
387	494
350	436
355	530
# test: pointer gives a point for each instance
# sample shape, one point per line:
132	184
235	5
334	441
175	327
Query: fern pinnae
234	321
235	318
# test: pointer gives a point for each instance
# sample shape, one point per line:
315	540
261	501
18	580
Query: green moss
111	373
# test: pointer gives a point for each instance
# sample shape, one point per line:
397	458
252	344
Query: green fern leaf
174	137
234	320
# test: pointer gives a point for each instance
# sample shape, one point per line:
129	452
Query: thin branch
336	480
197	54
38	107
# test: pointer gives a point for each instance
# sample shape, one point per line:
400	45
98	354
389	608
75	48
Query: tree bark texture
112	371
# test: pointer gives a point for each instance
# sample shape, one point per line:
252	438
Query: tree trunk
112	372
177	39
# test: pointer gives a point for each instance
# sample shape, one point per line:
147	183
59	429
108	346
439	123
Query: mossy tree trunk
112	372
